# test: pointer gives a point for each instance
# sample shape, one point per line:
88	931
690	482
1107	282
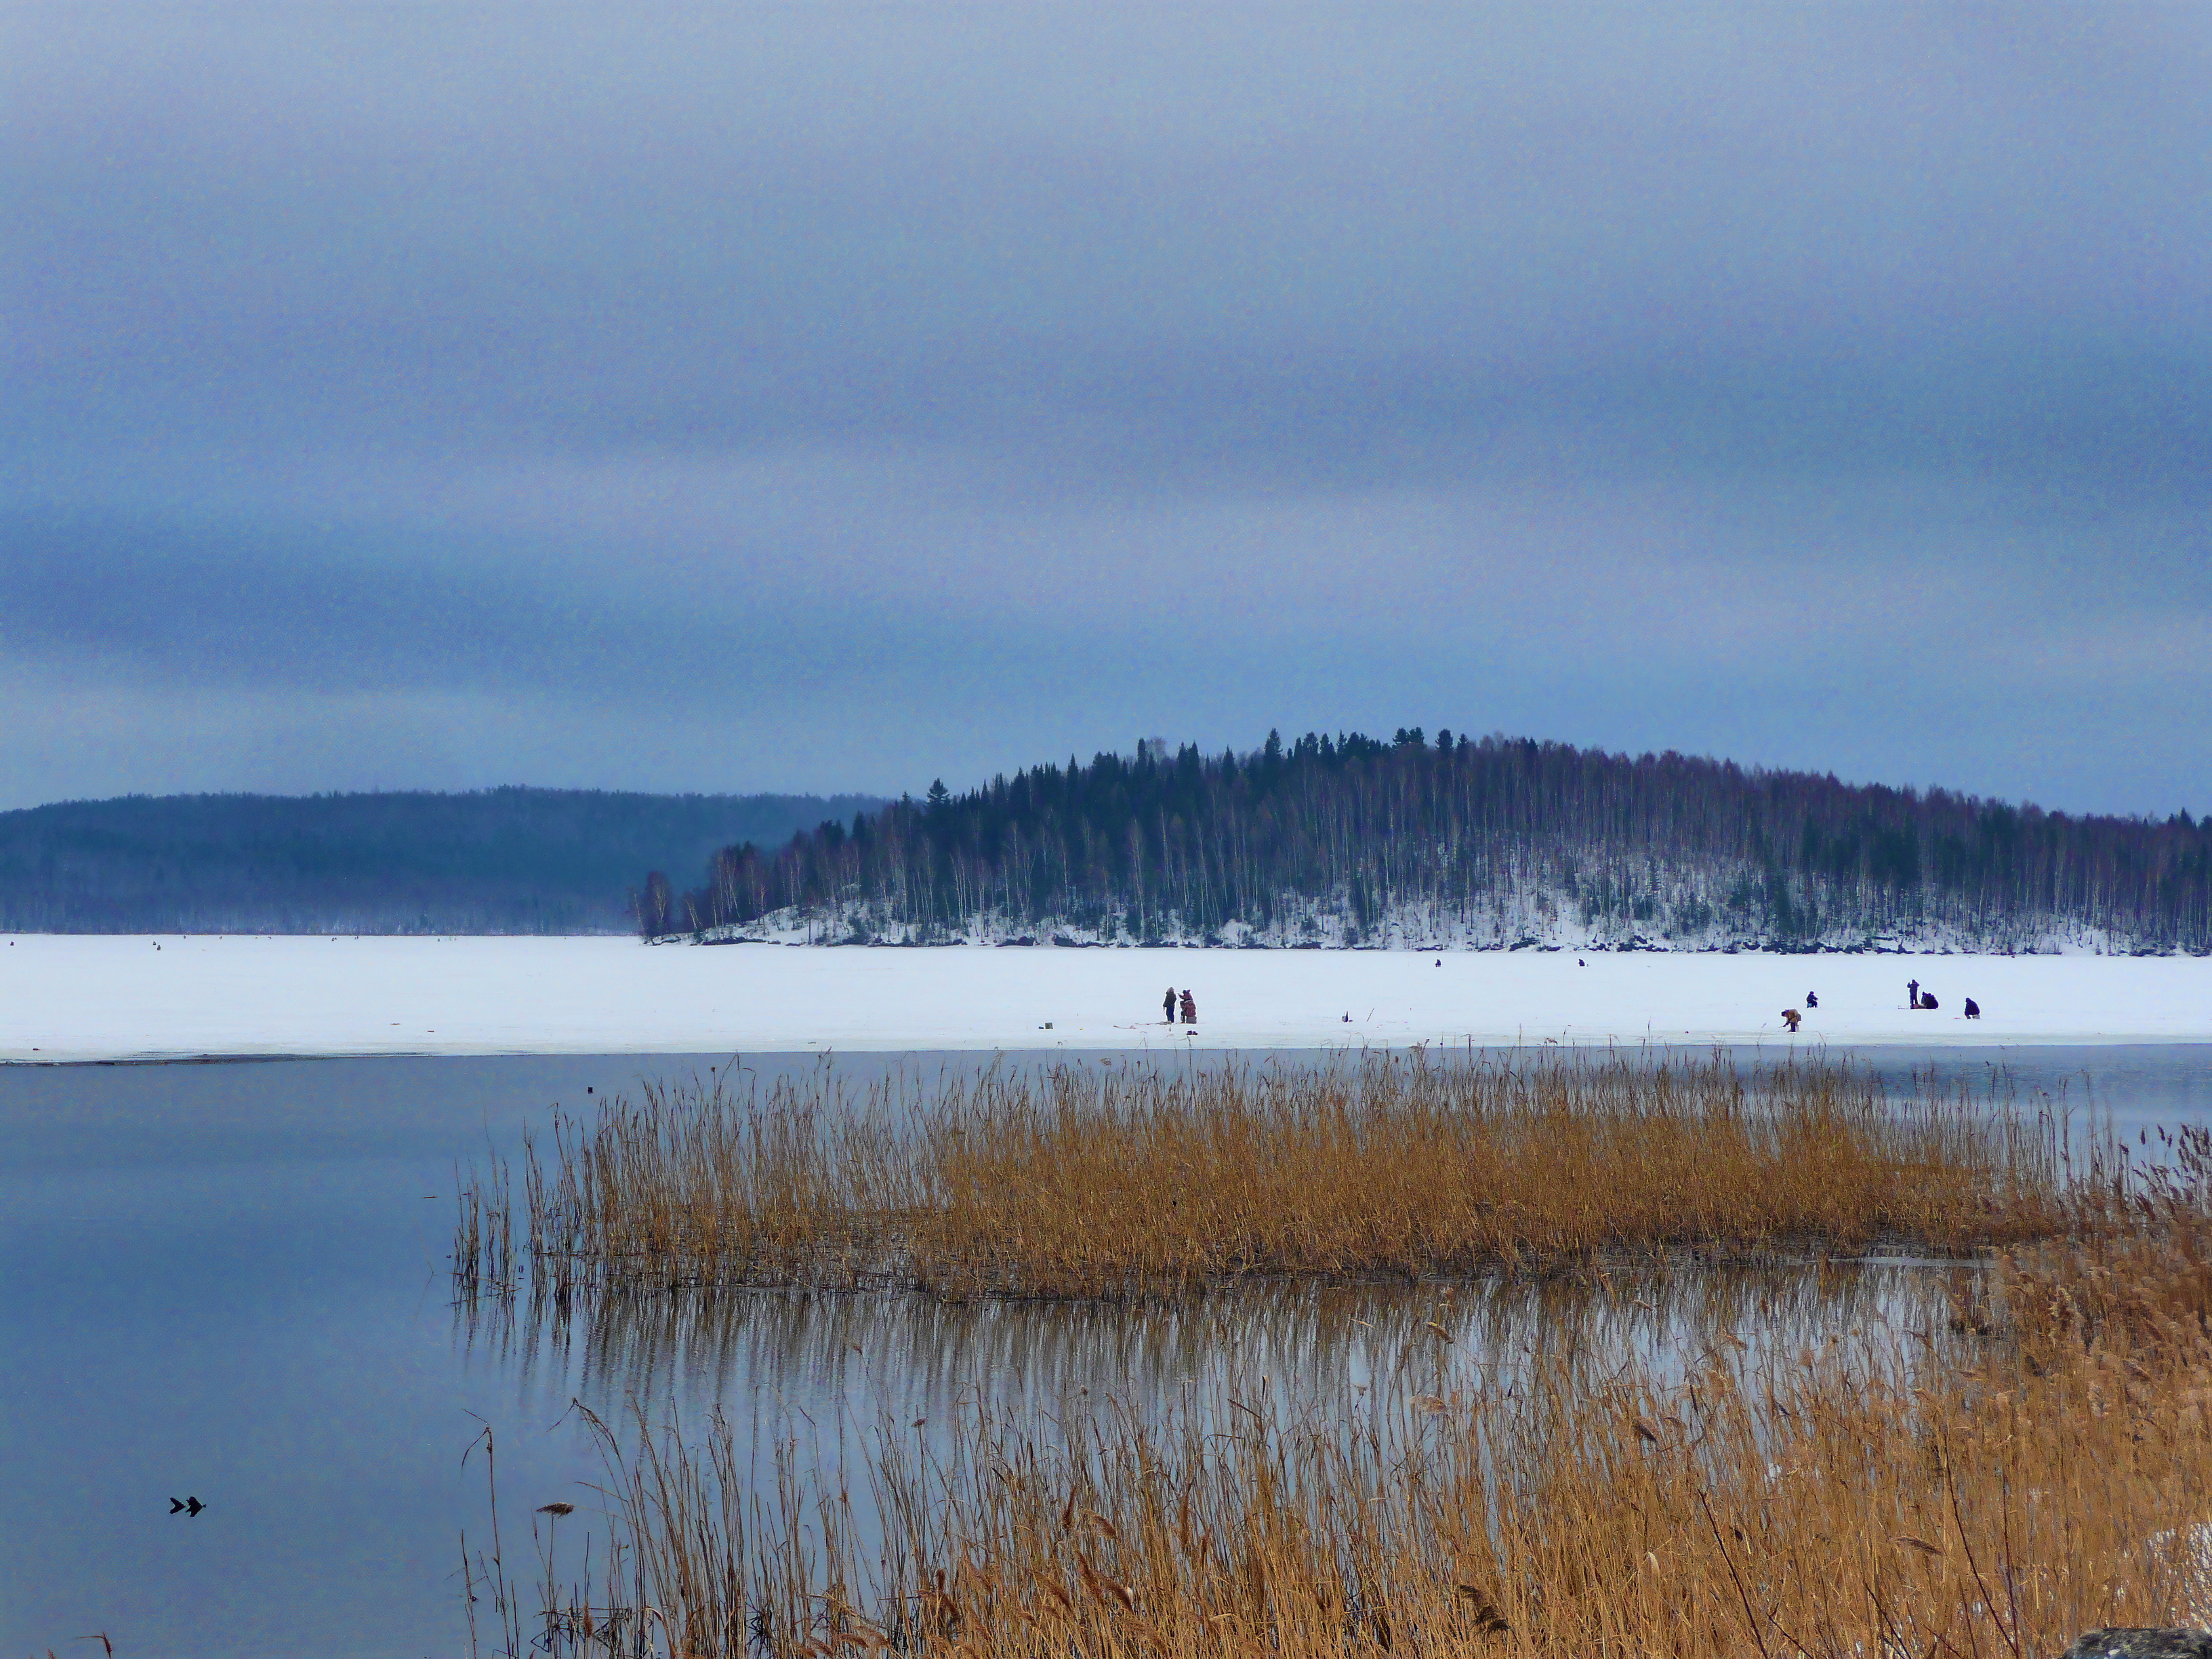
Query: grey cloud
552	579
1738	379
1234	238
293	604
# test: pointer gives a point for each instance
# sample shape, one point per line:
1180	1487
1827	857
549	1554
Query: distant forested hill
493	861
1496	843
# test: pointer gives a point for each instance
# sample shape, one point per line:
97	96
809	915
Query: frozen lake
68	998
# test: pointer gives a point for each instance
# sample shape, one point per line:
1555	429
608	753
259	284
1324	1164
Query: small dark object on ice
1973	1009
1579	962
2174	1642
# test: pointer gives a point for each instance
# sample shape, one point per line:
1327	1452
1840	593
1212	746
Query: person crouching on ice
1790	1018
1189	1009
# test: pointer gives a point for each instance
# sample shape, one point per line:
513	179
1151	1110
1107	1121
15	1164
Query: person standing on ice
1913	994
1167	1005
1189	1009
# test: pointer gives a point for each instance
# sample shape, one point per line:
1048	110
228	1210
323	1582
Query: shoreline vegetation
1135	1180
1989	1471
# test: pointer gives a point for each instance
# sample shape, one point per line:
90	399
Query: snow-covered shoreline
1545	920
83	998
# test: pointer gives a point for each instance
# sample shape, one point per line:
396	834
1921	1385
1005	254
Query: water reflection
830	1417
781	1360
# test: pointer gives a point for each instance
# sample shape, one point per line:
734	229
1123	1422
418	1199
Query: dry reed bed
1939	1497
1108	1180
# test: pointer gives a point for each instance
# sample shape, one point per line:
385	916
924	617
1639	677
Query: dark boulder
2118	1643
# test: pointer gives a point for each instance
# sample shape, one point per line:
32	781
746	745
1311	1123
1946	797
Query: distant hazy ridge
1456	844
495	861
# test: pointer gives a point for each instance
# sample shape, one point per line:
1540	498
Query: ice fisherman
1189	1009
1168	1005
1811	1001
1913	994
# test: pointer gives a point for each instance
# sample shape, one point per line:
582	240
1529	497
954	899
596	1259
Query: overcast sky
831	397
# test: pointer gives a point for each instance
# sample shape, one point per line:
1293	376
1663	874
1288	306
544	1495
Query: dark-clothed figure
1811	1001
1913	994
1927	999
1167	1005
1973	1009
1189	1009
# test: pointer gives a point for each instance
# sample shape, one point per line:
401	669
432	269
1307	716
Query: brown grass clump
2132	1272
1873	1498
1087	1180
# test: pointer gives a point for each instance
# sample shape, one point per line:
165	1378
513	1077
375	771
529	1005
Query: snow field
84	997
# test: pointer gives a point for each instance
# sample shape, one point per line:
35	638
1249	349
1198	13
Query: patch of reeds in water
1905	1493
1090	1179
2035	1461
1990	1484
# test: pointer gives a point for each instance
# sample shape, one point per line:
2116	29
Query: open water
229	1281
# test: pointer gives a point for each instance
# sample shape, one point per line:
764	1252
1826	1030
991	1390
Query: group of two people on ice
1188	1005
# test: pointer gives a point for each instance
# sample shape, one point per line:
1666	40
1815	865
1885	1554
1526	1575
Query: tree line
1351	840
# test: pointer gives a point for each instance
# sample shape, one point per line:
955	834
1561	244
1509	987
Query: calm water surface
229	1281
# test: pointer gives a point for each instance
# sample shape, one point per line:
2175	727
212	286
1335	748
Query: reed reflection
786	1357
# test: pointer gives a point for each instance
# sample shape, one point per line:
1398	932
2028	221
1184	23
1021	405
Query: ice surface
76	998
